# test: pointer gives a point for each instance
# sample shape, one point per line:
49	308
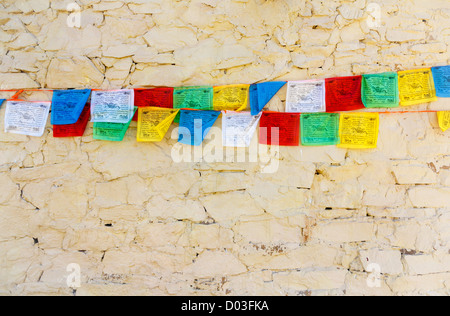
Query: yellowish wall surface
138	222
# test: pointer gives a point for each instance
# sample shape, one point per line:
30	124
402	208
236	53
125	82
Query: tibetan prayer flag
282	129
380	90
195	125
1	102
26	118
67	106
114	132
262	93
157	97
238	128
73	130
320	129
231	97
198	98
441	76
112	106
359	130
154	123
444	120
306	96
416	87
344	94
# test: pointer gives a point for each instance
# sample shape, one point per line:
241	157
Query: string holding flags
318	110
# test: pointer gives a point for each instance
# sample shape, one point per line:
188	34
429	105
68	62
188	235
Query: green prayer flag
196	98
114	132
380	90
320	129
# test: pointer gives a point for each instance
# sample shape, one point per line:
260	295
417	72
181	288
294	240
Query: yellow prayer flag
359	130
444	120
416	86
231	97
154	122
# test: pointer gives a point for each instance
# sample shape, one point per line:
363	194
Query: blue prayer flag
262	93
195	125
67	106
441	76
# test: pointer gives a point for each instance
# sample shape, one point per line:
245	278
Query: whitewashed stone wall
136	222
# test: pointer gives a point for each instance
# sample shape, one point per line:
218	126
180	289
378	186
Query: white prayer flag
306	96
112	106
26	118
238	128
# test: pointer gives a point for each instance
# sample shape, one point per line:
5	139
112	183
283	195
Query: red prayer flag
156	97
281	129
344	94
74	130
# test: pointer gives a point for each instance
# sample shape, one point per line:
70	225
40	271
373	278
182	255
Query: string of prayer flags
156	97
114	132
444	120
73	130
26	118
441	76
306	96
112	106
231	97
67	106
238	128
344	94
282	129
195	125
380	90
319	129
154	123
311	105
359	130
262	93
416	87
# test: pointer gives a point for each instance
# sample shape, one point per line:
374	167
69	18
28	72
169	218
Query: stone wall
137	222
